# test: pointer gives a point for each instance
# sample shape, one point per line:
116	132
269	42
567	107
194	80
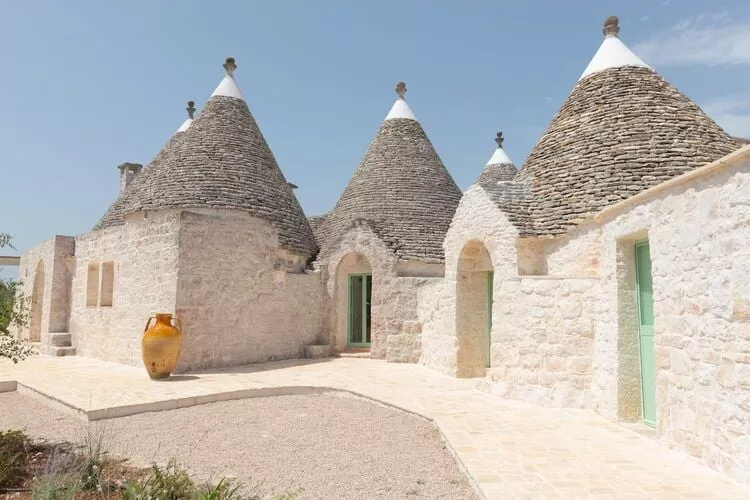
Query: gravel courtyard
331	445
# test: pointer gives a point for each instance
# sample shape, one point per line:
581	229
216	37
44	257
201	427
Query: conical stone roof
401	190
116	212
499	168
223	161
621	130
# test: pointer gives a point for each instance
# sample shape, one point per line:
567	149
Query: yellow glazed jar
161	345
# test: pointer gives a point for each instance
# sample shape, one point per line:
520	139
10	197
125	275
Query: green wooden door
360	297
646	331
490	279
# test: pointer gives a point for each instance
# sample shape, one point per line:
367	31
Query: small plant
55	487
91	459
13	457
169	483
225	489
289	495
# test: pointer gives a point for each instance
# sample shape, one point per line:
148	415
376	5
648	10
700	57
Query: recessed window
92	285
108	281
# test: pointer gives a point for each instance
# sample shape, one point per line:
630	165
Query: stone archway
474	310
352	307
37	304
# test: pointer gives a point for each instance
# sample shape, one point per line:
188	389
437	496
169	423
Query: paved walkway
510	449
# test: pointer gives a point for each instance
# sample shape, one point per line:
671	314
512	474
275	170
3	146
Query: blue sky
88	85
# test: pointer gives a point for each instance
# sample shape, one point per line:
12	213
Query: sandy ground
333	445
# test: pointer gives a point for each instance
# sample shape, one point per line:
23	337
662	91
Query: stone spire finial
230	66
499	140
401	89
190	109
611	26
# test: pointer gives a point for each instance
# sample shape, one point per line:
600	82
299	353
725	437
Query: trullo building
610	272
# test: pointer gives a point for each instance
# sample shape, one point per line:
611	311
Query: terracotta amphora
161	345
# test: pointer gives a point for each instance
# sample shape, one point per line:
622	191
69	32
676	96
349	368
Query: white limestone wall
542	340
396	330
699	235
477	219
235	296
57	260
144	252
578	253
41	253
542	326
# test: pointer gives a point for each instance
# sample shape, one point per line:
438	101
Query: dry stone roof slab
499	167
223	161
621	130
401	190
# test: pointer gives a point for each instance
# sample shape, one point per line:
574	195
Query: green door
360	296
646	332
490	278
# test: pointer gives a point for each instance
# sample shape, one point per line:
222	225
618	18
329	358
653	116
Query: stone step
60	339
354	353
59	351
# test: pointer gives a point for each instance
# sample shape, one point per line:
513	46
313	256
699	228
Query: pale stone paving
510	449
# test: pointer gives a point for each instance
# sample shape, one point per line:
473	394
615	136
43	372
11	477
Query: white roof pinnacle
186	124
400	109
228	87
499	156
612	53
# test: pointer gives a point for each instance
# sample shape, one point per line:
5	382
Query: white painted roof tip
612	53
500	157
185	125
190	111
401	110
228	88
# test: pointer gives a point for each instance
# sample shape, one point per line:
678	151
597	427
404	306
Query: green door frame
490	280
367	277
644	293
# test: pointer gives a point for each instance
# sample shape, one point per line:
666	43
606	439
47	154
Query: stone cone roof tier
223	161
499	167
401	190
316	223
620	131
116	212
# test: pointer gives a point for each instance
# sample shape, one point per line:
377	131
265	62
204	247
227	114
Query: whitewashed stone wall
396	330
55	257
542	340
236	296
144	252
698	233
542	326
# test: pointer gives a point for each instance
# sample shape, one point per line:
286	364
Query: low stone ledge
7	385
317	351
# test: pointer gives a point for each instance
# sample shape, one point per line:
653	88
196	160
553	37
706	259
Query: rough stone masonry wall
144	254
396	330
57	260
240	297
542	328
698	234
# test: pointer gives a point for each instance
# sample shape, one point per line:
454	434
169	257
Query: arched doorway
353	303
37	304
474	310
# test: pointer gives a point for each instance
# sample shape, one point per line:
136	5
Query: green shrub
170	483
13	457
225	489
